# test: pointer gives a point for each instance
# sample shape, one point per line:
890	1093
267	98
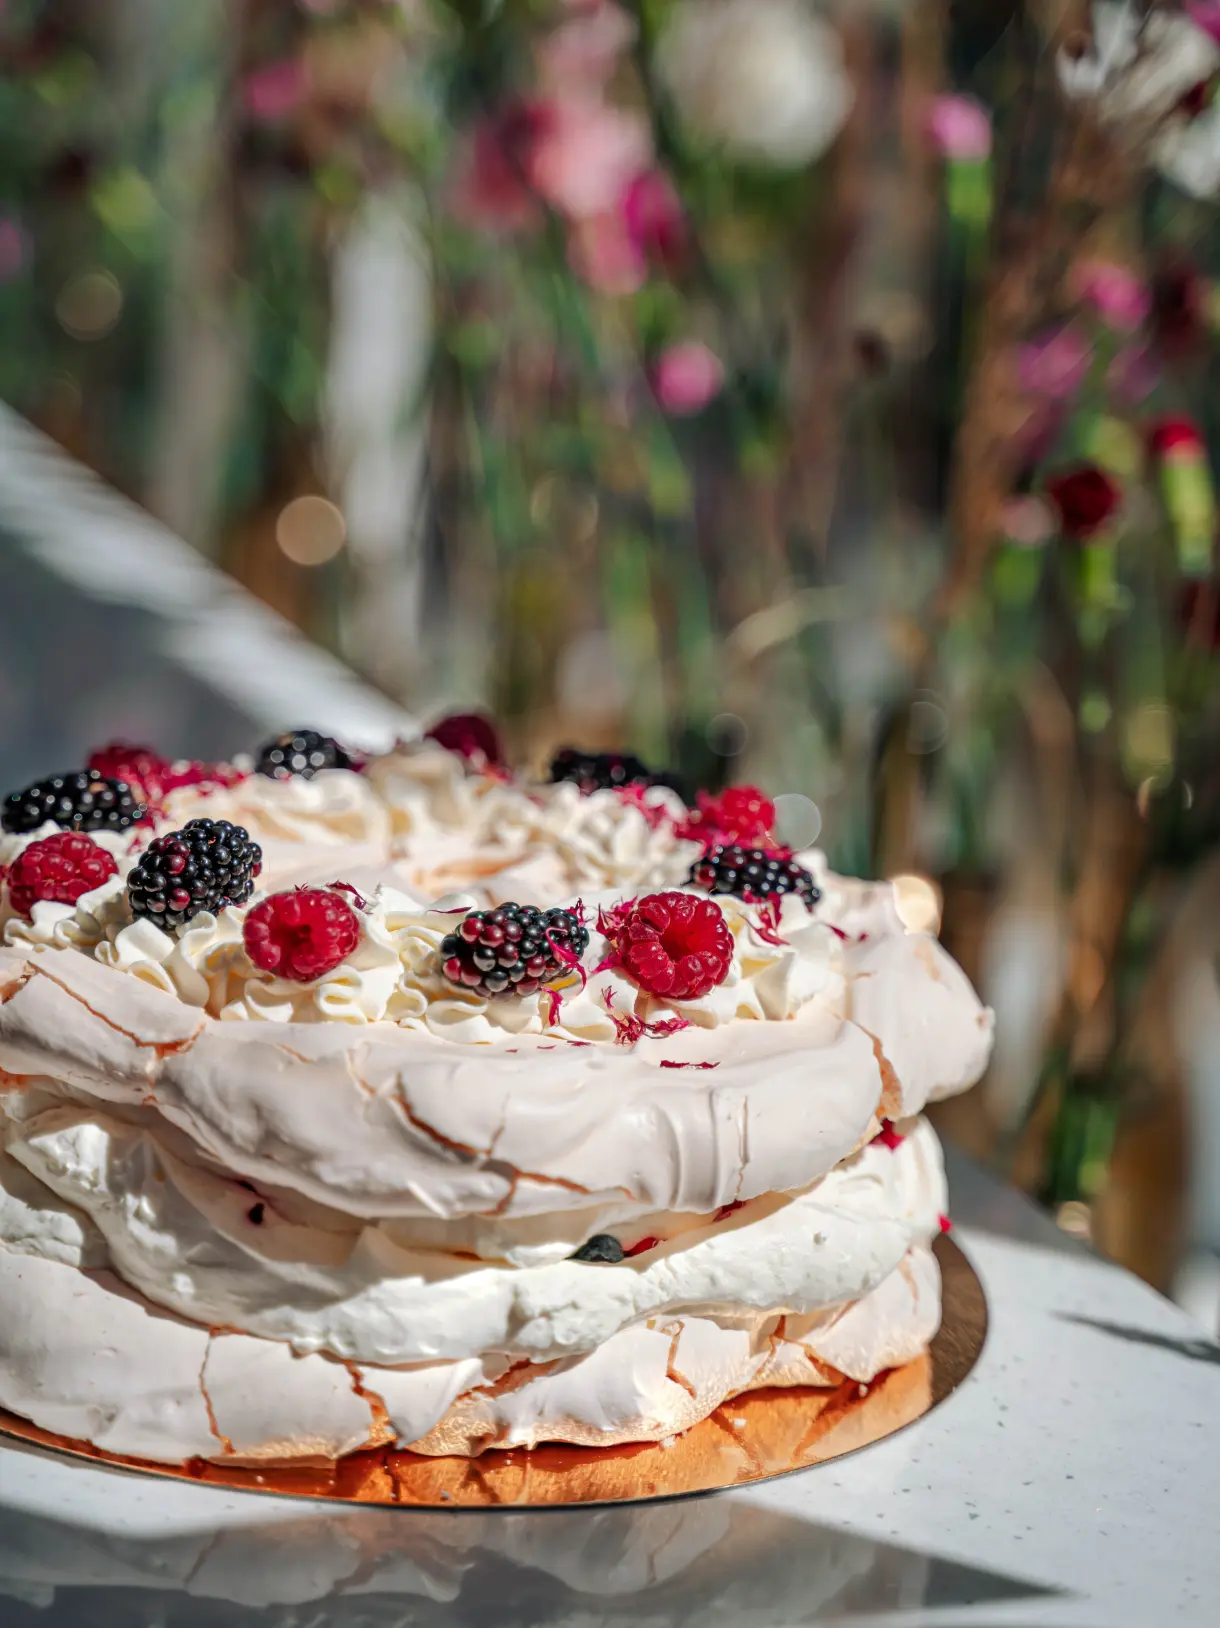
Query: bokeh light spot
798	820
727	734
927	725
89	305
310	530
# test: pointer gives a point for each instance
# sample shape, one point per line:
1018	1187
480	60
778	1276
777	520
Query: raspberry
207	865
674	945
143	769
513	949
152	777
470	735
739	814
61	868
753	874
301	935
303	752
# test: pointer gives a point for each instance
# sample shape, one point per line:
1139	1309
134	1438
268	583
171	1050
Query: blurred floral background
816	395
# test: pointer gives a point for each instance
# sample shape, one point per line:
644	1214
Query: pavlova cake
349	1103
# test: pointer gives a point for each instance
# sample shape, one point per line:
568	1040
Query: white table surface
1073	1481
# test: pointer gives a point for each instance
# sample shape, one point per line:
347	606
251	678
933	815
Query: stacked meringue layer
246	1218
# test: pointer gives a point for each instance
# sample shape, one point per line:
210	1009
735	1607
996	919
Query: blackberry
601	771
603	1248
510	950
753	874
302	752
85	801
205	866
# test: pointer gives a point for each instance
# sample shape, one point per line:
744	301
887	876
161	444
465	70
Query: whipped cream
394	973
337	807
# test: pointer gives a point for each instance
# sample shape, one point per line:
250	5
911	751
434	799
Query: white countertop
1072	1481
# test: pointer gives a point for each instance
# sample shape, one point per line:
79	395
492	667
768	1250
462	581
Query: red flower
493	188
1085	497
61	868
301	935
472	735
1174	435
741	814
674	945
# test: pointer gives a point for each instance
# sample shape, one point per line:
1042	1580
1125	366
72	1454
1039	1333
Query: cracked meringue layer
86	1356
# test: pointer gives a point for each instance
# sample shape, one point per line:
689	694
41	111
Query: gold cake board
752	1438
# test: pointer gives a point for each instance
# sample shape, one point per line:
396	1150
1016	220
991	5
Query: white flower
1138	69
763	78
1188	153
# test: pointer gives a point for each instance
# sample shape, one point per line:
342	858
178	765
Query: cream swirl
336	806
603	839
82	926
428	790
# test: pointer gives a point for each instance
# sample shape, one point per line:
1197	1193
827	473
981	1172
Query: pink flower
1054	364
602	252
585	50
654	218
492	188
12	248
959	127
686	377
612	251
1121	299
586	155
273	92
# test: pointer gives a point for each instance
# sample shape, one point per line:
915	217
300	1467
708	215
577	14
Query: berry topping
152	777
59	868
600	771
674	945
301	935
207	865
513	949
87	801
602	1247
742	814
303	752
472	736
753	875
144	770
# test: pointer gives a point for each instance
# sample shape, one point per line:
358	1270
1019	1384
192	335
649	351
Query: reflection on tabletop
721	1562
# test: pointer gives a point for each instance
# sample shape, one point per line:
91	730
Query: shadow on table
718	1562
1196	1348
